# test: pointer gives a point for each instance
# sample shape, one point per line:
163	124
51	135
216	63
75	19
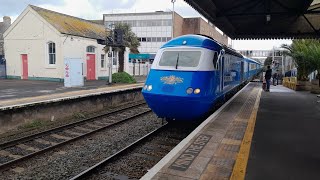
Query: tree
268	61
130	40
302	53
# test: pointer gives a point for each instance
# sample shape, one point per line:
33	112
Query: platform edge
155	169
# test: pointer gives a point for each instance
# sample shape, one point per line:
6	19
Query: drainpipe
173	1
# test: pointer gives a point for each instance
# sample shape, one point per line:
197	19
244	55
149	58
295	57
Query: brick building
199	26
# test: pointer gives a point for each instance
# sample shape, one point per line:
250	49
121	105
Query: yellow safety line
239	169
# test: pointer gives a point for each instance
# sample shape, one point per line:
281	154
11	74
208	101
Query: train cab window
180	58
215	59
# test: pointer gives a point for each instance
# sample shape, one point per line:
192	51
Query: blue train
191	73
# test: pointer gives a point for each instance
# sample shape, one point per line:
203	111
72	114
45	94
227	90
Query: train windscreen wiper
177	61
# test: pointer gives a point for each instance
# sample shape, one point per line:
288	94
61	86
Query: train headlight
145	87
189	91
196	91
149	88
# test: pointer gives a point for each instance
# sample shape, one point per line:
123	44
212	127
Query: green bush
122	77
34	124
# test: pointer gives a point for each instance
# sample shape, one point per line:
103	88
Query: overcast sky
93	9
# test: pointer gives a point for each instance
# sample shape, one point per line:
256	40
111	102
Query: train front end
180	85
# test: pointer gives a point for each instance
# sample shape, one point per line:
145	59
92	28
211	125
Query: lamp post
110	55
173	1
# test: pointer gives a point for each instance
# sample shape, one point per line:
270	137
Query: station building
39	41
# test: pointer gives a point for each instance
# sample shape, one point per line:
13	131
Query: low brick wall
46	111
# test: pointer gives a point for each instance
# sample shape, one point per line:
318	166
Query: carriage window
180	58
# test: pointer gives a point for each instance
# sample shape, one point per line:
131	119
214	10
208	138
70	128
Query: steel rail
59	128
9	163
91	170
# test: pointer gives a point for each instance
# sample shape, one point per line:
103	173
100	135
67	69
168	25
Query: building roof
271	19
70	25
97	21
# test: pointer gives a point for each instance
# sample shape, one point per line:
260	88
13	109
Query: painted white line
68	98
153	171
7	96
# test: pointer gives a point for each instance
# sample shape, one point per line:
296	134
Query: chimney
6	21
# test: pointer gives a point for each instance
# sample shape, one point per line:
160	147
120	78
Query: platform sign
73	75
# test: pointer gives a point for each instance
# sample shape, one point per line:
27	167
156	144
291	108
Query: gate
3	73
139	68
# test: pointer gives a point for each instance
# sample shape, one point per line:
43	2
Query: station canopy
262	19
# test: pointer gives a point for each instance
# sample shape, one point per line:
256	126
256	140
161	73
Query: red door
91	67
24	58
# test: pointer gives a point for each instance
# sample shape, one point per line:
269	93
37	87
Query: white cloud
82	8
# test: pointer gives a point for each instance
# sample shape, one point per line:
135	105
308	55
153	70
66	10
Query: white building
37	43
152	29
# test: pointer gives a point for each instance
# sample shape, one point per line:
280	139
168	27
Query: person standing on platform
267	76
275	79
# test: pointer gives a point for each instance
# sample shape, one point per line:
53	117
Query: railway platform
255	135
15	92
58	105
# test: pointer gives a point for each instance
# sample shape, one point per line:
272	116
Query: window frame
50	53
90	52
180	51
103	61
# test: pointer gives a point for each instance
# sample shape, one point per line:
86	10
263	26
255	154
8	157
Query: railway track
133	161
27	147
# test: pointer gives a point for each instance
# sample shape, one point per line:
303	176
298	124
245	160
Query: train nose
176	107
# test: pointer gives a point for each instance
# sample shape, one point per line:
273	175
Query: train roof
201	41
252	60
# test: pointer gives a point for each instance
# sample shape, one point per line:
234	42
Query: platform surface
211	151
286	140
15	89
23	93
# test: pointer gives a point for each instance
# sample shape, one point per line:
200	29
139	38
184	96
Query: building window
90	49
115	57
102	61
52	53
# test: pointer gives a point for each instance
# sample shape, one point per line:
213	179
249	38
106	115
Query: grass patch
78	115
122	77
34	124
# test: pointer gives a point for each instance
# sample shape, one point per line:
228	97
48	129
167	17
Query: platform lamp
110	54
173	1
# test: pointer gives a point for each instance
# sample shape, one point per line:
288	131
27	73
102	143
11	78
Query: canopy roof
262	19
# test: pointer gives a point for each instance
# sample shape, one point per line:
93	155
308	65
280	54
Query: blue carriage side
189	75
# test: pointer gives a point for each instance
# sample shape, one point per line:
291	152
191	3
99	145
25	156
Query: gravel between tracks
69	160
18	133
137	162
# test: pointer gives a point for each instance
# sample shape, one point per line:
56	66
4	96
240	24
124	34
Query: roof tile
66	24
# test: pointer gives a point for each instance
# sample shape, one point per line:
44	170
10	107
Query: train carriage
190	74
